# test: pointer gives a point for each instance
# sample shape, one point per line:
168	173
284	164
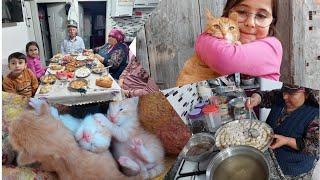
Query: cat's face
122	111
223	28
92	136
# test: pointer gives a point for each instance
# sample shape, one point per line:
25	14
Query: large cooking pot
238	163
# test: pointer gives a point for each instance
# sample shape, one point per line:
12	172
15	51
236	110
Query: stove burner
194	169
193	173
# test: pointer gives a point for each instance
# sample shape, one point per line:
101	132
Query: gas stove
189	170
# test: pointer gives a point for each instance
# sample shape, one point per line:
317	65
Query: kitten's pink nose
86	136
112	118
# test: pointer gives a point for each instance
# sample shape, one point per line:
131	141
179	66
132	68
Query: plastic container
239	111
215	100
213	117
197	121
199	106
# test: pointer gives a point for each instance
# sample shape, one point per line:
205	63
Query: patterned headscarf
117	34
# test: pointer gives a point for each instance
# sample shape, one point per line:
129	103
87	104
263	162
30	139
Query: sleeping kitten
135	149
194	69
40	137
88	132
92	136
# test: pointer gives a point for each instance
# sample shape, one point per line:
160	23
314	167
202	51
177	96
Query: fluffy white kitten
136	150
88	132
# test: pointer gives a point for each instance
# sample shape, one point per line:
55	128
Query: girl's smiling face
256	11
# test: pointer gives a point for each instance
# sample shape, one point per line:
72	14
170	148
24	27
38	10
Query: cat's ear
44	109
209	16
233	16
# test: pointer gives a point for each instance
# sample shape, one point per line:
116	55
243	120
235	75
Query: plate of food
45	89
74	54
58	56
48	79
237	133
55	60
78	84
99	70
82	72
70	68
81	58
104	81
64	75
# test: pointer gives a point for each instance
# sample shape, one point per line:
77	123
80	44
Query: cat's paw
36	103
128	163
136	143
237	43
102	119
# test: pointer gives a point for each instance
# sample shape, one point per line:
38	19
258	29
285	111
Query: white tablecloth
60	93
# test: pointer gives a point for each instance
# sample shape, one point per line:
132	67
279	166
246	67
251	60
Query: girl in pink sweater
260	53
33	59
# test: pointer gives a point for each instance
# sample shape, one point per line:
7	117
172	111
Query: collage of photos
160	89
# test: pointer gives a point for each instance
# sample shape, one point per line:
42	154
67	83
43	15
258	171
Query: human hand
279	141
100	58
125	92
253	101
121	82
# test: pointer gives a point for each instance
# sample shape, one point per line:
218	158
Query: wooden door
57	24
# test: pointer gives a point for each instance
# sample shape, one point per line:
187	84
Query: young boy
20	80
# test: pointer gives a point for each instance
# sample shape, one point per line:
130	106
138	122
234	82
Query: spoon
253	133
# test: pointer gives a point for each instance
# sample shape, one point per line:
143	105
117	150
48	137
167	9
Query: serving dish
237	133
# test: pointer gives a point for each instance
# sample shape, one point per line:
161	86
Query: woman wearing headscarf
294	117
114	53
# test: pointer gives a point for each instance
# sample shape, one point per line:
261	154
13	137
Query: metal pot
239	163
248	82
198	139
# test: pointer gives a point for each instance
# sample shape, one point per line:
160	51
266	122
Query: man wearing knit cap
73	44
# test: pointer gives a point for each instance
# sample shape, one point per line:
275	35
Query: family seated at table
133	78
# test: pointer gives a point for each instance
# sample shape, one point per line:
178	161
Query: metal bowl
196	140
238	162
248	82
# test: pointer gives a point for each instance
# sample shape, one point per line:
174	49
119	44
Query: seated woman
294	117
114	53
135	81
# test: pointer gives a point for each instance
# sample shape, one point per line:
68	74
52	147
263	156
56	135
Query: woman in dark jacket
114	53
294	117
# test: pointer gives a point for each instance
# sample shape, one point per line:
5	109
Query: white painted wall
14	39
15	36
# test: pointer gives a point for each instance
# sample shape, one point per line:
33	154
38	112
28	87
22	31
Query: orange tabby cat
194	69
43	139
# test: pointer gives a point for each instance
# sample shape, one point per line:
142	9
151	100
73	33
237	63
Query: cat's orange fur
194	69
43	139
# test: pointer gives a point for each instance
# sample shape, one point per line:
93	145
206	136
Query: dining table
61	93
